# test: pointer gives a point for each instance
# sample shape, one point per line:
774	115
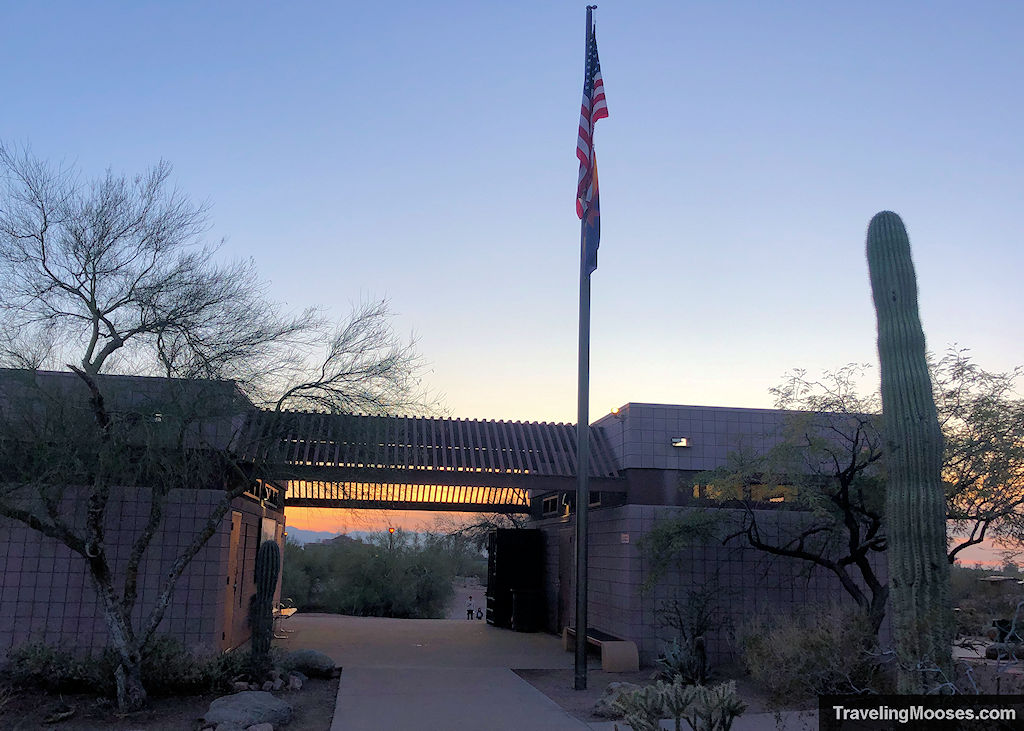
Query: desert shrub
821	650
642	708
53	669
683	661
168	669
978	603
703	708
691	617
398	575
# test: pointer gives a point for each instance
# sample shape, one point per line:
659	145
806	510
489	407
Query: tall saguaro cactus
261	613
915	499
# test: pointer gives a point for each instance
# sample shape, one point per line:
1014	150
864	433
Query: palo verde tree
74	445
982	418
825	466
112	276
832	470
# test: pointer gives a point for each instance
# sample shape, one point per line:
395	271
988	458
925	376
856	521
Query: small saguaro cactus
261	611
915	516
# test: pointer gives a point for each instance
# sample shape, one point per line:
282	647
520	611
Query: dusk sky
425	152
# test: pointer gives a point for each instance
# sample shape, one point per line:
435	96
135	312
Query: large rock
312	663
605	704
248	708
229	726
1005	651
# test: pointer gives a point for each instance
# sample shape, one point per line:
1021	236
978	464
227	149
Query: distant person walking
469	607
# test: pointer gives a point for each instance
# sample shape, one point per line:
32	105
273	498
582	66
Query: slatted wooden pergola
421	463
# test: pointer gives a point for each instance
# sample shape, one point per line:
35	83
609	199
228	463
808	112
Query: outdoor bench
617	655
280	613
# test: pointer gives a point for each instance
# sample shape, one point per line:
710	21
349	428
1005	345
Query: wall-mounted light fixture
680	442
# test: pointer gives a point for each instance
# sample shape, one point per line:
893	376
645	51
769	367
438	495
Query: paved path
435	674
444	699
465	588
452	675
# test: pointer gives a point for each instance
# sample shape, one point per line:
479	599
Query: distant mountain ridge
303	536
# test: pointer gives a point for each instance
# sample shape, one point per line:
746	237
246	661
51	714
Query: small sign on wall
623	537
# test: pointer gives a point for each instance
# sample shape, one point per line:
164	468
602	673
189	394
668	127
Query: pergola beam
408	505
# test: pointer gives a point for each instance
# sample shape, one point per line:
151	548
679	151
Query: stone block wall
46	592
747	581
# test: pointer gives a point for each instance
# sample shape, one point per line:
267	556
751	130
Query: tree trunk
131	695
876	611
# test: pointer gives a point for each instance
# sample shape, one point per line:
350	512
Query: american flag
588	206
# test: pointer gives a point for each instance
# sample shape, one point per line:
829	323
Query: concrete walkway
444	699
450	675
443	674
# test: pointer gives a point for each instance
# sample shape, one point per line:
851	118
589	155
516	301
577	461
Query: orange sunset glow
344	520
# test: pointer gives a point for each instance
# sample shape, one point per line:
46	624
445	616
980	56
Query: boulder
605	704
229	726
312	663
261	727
248	708
1005	651
294	682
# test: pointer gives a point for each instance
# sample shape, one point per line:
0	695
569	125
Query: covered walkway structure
421	463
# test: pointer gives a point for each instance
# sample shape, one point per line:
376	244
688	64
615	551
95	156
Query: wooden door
232	588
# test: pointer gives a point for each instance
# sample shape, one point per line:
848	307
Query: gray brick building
658	449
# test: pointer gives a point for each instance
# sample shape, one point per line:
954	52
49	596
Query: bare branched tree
113	275
365	369
982	419
475	527
118	263
829	463
75	440
826	464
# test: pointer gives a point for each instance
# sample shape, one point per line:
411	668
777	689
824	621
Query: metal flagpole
583	449
582	476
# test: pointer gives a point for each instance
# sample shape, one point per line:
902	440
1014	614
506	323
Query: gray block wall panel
51	599
748	581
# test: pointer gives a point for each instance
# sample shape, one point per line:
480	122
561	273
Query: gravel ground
312	708
558	686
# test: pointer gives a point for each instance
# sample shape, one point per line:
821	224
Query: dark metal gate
515	579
